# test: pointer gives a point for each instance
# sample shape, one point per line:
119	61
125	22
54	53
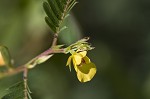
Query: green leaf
55	8
50	14
51	25
57	11
59	3
17	92
6	56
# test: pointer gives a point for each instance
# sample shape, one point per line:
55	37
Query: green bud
38	60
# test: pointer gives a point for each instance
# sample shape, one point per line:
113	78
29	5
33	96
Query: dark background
119	31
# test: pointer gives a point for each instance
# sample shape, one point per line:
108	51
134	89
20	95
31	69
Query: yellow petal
1	60
69	62
86	59
83	53
77	59
74	64
86	72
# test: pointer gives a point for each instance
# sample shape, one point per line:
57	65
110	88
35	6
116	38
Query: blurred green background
119	30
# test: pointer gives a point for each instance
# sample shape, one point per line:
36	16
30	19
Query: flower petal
74	64
77	59
86	59
86	72
83	54
69	62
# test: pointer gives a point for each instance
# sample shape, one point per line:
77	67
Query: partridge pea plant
57	11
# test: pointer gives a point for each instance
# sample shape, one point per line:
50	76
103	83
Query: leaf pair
57	11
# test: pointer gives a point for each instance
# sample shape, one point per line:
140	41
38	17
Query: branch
12	72
22	68
54	40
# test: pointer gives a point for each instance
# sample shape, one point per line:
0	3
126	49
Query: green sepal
81	45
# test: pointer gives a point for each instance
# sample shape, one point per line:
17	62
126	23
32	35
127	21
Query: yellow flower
1	60
84	68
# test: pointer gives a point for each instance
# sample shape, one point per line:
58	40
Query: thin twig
12	72
54	40
21	68
25	75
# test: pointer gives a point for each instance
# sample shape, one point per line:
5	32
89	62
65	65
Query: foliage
16	91
57	11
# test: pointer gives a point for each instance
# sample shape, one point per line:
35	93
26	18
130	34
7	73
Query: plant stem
25	75
22	68
12	72
55	40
